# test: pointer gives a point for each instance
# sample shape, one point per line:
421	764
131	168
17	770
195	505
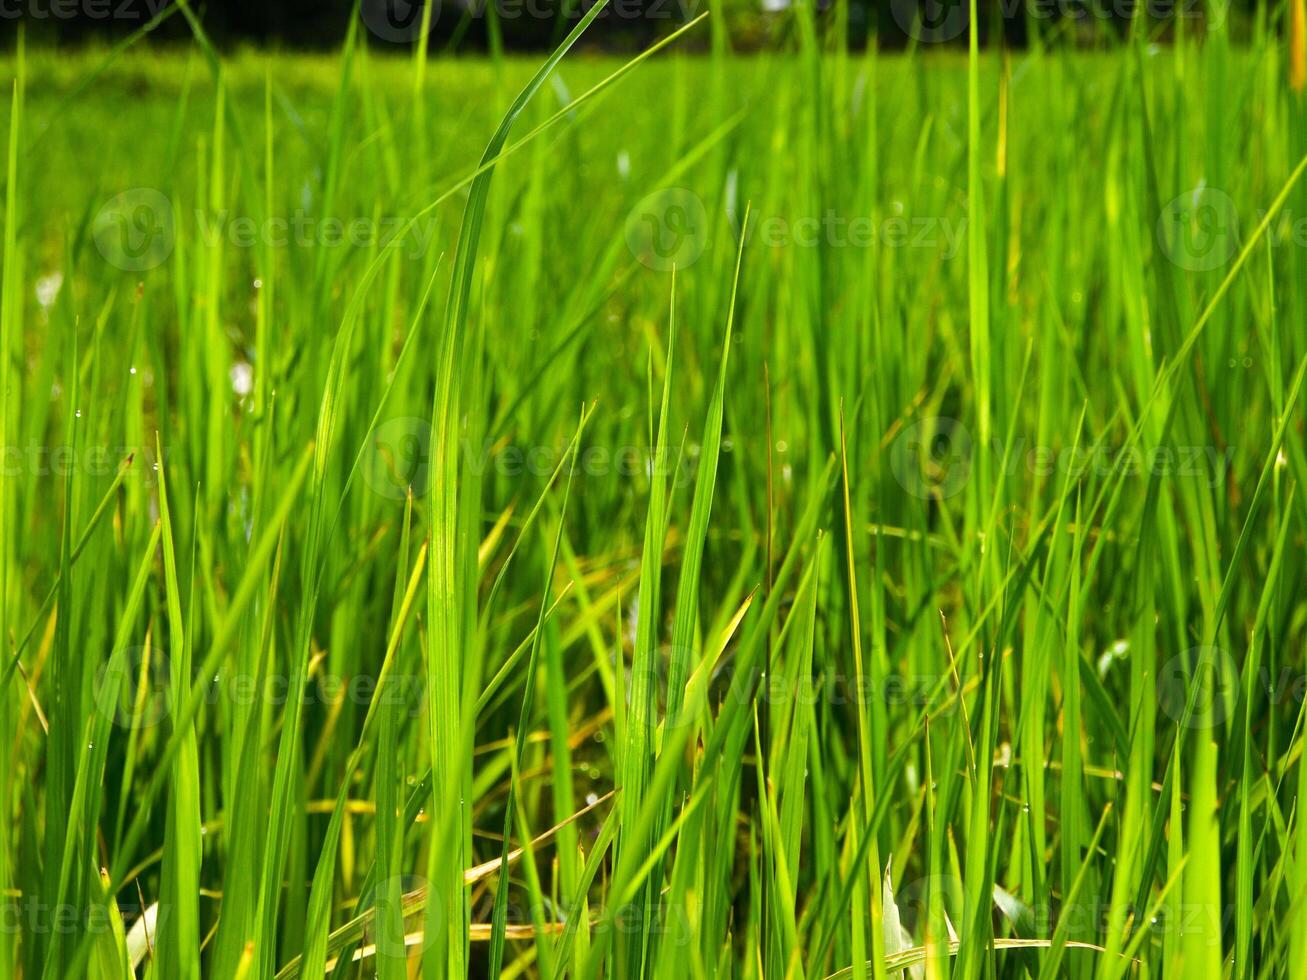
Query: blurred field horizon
469	27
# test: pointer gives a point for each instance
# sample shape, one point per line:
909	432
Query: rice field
825	512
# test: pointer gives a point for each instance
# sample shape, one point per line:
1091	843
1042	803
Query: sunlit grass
809	514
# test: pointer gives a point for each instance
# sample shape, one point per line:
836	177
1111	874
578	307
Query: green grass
808	514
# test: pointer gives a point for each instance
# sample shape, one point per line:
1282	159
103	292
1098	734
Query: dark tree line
534	24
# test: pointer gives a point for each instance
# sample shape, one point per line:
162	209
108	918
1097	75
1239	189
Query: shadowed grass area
810	514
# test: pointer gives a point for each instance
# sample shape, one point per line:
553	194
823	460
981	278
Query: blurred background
527	25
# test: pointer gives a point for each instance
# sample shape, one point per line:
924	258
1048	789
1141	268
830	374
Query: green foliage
814	514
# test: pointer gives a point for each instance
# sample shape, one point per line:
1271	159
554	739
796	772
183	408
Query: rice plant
814	512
